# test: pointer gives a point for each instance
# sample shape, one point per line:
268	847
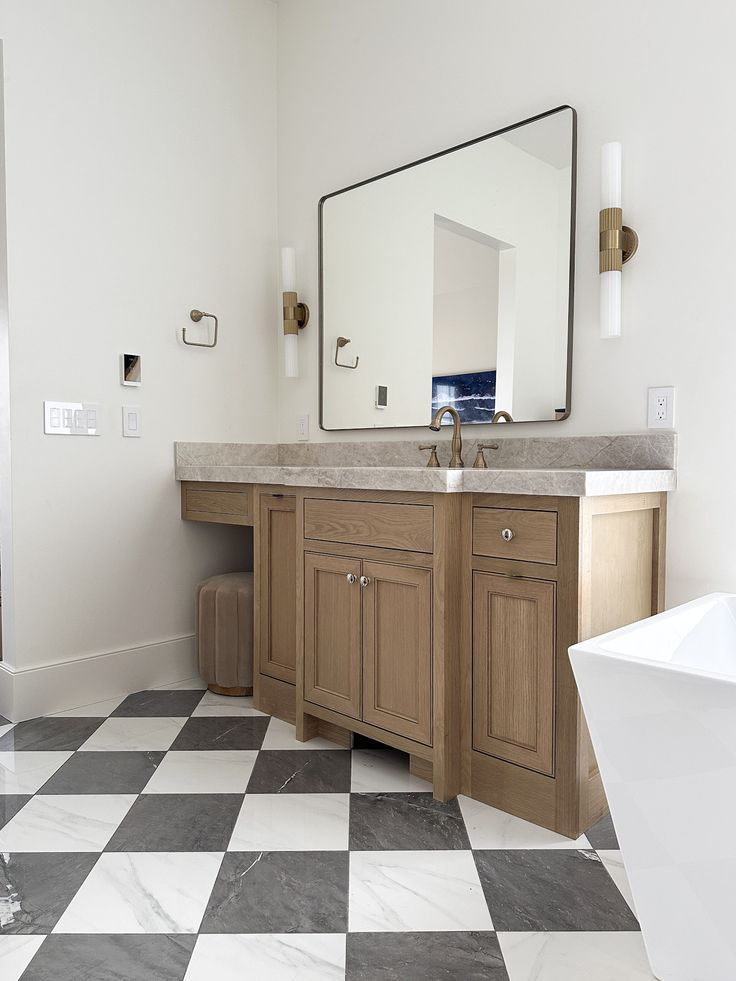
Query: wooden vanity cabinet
275	613
440	624
545	573
379	647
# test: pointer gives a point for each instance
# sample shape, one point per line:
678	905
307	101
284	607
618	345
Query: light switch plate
72	418
132	421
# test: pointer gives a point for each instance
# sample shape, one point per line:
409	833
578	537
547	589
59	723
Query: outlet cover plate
661	408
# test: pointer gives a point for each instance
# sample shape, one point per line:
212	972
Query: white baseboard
26	694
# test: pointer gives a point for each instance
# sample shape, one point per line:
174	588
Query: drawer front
510	533
404	526
225	504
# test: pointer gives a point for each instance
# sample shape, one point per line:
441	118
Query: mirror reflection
448	282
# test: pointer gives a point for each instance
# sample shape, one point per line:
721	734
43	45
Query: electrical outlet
302	427
661	408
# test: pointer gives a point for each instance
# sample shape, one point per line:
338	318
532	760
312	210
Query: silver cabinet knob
507	534
364	580
350	578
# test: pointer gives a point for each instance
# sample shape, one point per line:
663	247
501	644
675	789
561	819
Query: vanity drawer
404	526
511	533
229	504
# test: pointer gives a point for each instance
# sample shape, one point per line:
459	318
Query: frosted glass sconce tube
618	242
295	314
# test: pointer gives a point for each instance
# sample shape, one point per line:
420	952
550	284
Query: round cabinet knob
364	580
350	578
507	534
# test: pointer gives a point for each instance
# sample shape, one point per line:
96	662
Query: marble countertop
568	466
560	481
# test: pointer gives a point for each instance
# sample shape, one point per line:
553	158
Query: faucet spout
456	463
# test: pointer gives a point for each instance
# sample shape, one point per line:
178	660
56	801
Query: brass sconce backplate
296	314
618	242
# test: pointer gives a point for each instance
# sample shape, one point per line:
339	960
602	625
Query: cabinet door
397	649
332	633
277	587
514	669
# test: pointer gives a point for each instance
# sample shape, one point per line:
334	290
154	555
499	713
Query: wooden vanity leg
420	768
307	727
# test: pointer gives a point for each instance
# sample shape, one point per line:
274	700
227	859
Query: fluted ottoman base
225	633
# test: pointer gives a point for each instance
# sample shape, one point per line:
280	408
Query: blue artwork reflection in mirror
472	393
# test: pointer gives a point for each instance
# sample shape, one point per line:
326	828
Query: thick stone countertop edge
564	482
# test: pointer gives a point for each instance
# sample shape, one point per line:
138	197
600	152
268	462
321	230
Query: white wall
141	158
367	86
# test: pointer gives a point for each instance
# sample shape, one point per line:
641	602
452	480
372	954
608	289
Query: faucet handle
433	460
480	460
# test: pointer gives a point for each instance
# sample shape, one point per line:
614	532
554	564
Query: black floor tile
178	703
279	892
424	957
49	734
603	834
178	823
301	771
35	889
405	821
90	957
222	733
104	773
551	890
10	804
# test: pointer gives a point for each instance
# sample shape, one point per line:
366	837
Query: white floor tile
189	684
134	734
278	957
143	892
491	828
25	773
614	864
65	823
16	953
213	772
575	956
292	822
92	710
217	705
416	891
383	771
282	735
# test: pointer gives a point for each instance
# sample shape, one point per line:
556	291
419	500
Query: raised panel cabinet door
397	649
332	633
277	587
514	669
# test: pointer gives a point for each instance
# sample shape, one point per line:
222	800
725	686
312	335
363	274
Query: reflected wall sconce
618	242
296	314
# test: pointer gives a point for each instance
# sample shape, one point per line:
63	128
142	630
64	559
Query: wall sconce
296	314
618	242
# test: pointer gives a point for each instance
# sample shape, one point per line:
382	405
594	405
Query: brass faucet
456	463
501	414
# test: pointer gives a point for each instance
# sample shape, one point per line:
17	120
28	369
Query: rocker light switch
72	418
132	423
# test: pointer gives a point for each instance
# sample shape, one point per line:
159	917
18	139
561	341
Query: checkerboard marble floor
176	835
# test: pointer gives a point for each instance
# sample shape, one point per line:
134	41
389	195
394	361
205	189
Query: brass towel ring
196	316
341	342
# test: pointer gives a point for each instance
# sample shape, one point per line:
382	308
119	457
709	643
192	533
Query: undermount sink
660	700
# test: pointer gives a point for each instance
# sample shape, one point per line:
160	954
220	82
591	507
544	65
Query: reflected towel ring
341	342
196	316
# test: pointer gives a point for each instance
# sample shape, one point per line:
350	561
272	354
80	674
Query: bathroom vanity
432	610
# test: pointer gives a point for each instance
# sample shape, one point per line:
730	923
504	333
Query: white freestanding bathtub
660	700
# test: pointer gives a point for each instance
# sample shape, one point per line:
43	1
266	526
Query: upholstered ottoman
224	629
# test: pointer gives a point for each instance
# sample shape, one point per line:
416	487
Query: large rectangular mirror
449	282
